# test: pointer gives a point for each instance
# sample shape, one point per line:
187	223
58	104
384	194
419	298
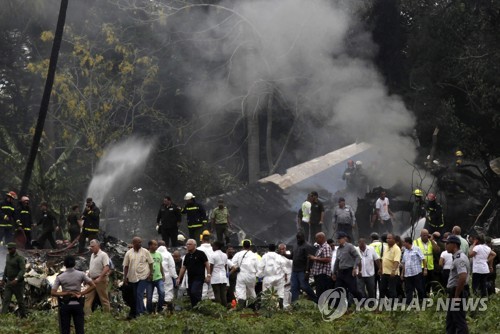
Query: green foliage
305	318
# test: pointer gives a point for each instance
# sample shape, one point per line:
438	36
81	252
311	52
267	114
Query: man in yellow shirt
389	272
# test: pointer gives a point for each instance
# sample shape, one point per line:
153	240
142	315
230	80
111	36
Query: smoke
118	166
311	53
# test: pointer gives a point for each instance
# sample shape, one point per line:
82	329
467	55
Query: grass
305	318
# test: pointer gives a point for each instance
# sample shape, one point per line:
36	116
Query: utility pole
44	105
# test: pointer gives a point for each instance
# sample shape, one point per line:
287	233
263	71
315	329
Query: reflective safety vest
377	245
427	251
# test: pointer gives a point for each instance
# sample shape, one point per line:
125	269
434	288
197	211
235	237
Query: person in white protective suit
245	264
206	247
272	269
287	294
170	275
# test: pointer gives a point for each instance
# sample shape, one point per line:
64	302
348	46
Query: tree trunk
253	145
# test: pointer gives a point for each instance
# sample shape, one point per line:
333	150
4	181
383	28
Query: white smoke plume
118	166
304	50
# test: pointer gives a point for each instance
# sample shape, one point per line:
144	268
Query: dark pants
386	226
299	282
16	290
305	228
428	281
195	289
366	286
323	283
85	235
195	233
27	234
346	228
313	230
74	232
220	293
231	287
47	235
413	283
479	284
388	286
128	295
455	315
222	231
169	235
6	232
347	281
66	312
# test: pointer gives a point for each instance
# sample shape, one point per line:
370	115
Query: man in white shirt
272	269
206	247
366	277
384	214
98	272
219	269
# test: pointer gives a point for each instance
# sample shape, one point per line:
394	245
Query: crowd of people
381	267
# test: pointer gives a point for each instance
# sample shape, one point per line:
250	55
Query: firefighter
7	220
49	225
418	210
24	219
434	220
196	217
90	227
459	156
349	172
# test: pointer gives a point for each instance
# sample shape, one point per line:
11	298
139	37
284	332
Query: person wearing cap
347	265
317	216
221	223
90	229
196	216
445	261
457	287
418	207
197	267
13	279
168	221
24	219
344	218
49	225
7	220
70	298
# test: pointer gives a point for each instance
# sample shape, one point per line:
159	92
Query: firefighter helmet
359	163
12	194
25	199
431	197
188	196
459	153
418	192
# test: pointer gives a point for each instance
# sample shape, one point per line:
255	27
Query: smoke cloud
305	51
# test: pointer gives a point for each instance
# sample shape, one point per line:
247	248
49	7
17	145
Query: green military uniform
13	279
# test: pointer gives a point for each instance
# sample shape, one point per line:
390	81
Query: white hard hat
180	237
359	163
188	196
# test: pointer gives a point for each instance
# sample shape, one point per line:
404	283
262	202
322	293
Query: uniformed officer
13	279
70	298
344	219
457	287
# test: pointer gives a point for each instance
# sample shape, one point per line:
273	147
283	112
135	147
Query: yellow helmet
242	241
459	154
204	233
418	193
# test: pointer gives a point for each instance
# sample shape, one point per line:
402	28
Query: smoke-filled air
310	53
